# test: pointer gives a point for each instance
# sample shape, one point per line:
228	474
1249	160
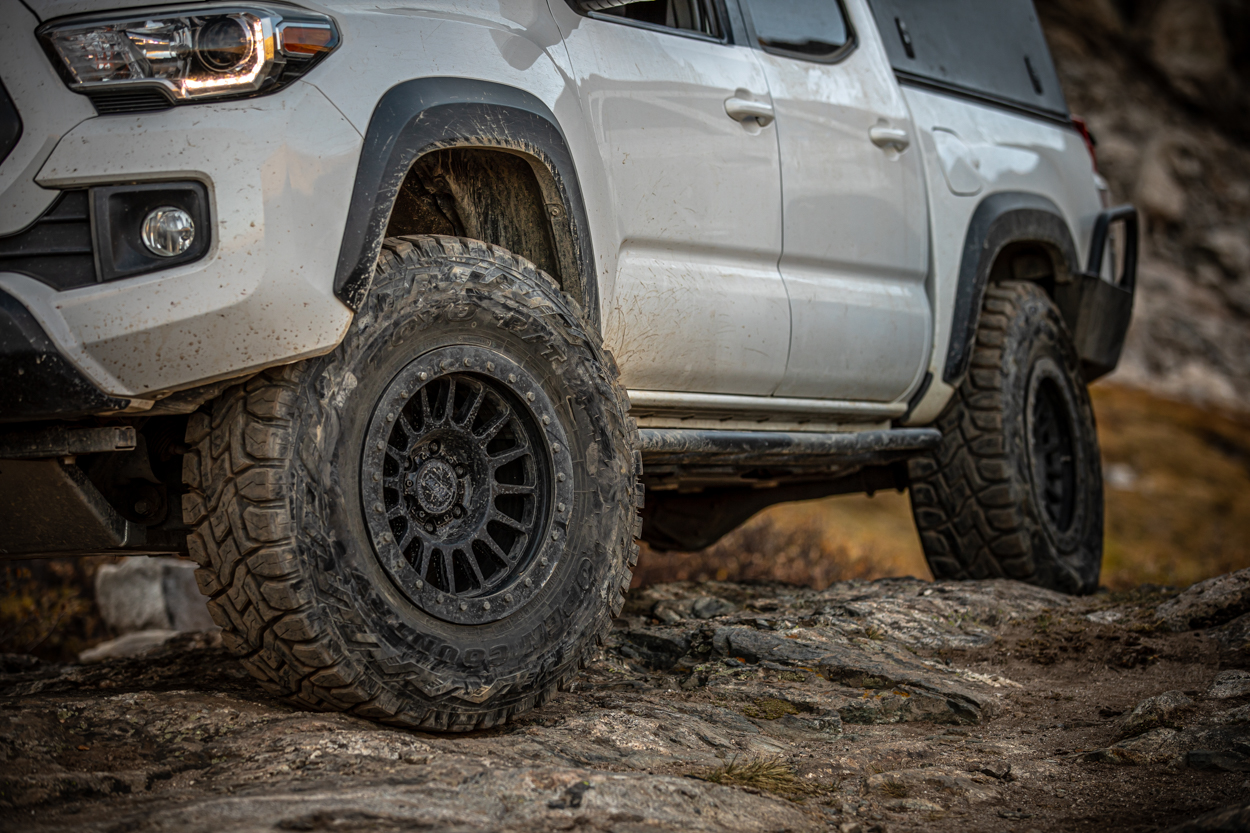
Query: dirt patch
889	705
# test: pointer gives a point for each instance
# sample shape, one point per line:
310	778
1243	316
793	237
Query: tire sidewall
1038	348
408	315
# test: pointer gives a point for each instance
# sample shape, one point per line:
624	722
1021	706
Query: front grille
108	102
10	124
57	248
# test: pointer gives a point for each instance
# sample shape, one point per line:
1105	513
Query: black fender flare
416	117
1000	220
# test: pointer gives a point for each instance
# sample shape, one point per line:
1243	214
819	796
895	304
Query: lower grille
129	101
57	248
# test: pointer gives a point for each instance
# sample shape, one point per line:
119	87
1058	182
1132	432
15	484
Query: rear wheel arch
424	129
1012	236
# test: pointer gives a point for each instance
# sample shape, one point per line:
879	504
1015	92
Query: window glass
690	15
993	48
807	28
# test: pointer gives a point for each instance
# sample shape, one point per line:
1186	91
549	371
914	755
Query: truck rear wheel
431	525
1015	488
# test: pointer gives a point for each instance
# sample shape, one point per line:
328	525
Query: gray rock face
1228	684
897	705
1208	603
1162	710
142	593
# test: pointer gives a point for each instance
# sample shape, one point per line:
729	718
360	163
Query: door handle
889	137
742	109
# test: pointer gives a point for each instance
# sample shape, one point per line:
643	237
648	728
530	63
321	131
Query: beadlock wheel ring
467	484
1055	457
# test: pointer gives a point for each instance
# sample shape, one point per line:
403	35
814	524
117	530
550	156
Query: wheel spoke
467	422
508	520
477	569
514	489
449	409
495	425
427	415
490	544
409	431
508	456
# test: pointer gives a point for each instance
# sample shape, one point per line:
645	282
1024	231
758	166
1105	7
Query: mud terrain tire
1015	488
313	485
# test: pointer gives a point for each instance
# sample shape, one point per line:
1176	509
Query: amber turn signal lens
307	40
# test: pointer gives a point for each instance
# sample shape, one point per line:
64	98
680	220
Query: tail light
1090	142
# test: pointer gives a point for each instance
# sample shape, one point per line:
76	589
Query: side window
812	29
688	15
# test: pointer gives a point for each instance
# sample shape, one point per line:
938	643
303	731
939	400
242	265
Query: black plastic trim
907	79
117	213
1099	312
1000	219
426	114
10	124
58	248
37	381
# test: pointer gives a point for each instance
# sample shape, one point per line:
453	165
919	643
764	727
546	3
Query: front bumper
278	172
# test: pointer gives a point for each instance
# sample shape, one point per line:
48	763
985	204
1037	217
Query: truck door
855	256
695	180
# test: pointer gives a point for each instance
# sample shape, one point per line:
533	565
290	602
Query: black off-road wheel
1015	488
432	525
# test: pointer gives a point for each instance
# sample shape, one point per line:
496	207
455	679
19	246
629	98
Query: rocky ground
890	705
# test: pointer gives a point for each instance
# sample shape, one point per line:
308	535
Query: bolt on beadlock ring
459	483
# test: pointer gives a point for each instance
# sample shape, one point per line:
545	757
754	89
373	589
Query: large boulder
142	593
1208	603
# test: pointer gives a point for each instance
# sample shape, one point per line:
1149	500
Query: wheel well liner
417	117
1001	220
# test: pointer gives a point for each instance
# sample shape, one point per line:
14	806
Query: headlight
187	54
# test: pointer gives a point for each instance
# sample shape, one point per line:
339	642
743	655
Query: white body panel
264	292
856	228
685	206
698	303
48	111
971	151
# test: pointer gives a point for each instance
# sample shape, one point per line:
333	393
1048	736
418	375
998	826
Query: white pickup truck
385	314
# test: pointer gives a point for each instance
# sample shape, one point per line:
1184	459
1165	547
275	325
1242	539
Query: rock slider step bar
759	448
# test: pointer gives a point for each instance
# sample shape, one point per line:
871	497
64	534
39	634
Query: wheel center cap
436	486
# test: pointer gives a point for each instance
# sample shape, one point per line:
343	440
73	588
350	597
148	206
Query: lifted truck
386	317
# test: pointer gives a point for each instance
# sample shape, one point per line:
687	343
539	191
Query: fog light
168	231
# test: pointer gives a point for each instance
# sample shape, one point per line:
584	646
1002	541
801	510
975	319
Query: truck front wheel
1015	488
431	525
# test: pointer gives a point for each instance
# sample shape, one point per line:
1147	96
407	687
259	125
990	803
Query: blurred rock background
1165	88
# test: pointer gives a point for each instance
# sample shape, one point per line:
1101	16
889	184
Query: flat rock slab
891	706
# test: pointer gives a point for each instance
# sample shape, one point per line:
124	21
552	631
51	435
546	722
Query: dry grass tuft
769	708
770	774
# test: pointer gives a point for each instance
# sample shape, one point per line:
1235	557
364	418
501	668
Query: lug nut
429	527
459	471
457	512
434	447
